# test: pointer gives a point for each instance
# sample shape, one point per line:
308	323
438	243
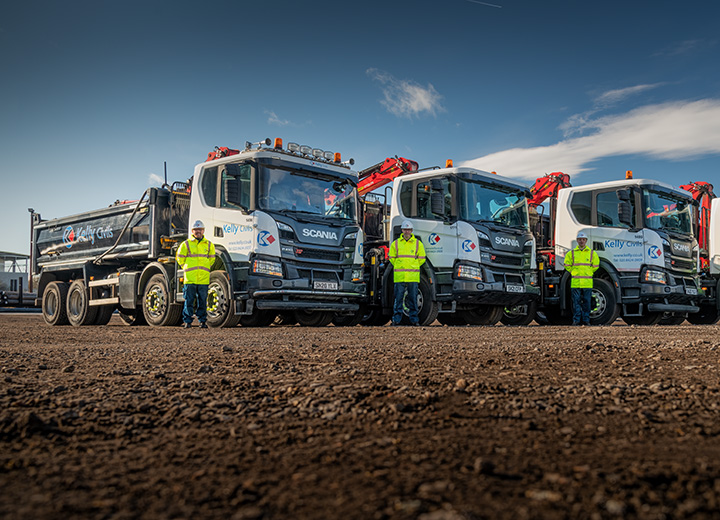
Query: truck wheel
483	315
707	315
158	310
54	301
427	308
451	319
220	303
314	318
135	319
671	319
604	309
375	318
651	318
78	309
349	320
519	315
259	318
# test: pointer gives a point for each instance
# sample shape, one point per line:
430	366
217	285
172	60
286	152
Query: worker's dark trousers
192	293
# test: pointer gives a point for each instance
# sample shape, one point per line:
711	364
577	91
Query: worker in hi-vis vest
196	257
581	262
406	255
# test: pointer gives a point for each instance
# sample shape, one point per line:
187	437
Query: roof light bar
266	142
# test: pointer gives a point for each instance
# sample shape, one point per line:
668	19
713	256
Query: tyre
483	315
78	310
427	307
135	319
554	316
519	315
375	318
314	318
259	318
451	319
54	301
349	320
604	308
708	315
671	319
220	303
285	319
156	305
651	318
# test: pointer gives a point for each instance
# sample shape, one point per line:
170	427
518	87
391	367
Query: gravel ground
430	423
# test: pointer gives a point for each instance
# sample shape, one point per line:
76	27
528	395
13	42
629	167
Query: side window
406	199
424	194
235	186
581	205
607	209
208	186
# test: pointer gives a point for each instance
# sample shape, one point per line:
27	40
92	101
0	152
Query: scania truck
284	222
642	232
474	227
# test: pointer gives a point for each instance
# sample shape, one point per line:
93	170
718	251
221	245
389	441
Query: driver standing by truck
196	257
407	255
581	262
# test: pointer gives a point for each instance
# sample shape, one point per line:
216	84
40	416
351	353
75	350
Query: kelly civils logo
265	238
433	239
654	252
468	246
86	234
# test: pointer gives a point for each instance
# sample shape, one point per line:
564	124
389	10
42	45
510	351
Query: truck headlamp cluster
357	275
470	273
318	154
653	276
267	268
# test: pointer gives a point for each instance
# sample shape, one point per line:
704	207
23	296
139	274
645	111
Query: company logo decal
681	247
433	239
86	234
654	252
468	246
265	238
234	229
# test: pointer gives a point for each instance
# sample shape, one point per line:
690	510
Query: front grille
316	254
685	265
507	260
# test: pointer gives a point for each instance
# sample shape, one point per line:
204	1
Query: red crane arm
384	173
547	187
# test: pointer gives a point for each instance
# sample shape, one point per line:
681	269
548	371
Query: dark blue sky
96	95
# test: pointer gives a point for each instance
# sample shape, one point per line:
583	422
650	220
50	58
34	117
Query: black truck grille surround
307	253
507	260
685	265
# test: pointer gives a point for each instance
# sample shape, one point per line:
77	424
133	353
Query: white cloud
405	98
155	180
275	120
582	122
673	131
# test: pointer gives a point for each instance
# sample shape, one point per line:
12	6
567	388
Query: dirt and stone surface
432	423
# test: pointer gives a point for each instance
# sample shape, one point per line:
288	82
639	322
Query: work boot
203	325
187	325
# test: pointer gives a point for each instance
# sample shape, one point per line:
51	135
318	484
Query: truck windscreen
485	202
667	213
285	190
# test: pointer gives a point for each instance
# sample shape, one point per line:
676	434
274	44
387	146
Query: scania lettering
285	227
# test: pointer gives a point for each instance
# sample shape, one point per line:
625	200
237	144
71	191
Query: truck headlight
351	236
533	278
655	276
357	275
267	268
283	227
470	273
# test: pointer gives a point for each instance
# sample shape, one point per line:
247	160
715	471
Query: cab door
233	224
434	223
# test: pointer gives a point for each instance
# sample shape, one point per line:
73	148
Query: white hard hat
582	235
198	225
406	225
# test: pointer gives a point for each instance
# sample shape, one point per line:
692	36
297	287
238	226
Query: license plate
691	290
514	288
327	286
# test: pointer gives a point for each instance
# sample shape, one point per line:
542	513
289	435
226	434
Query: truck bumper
492	293
280	294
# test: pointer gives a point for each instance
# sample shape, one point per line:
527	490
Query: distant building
14	269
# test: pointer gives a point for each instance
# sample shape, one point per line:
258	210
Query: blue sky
95	95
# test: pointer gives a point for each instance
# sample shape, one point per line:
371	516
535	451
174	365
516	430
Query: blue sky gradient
95	95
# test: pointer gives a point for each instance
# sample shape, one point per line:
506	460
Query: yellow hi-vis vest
582	263
196	258
406	257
